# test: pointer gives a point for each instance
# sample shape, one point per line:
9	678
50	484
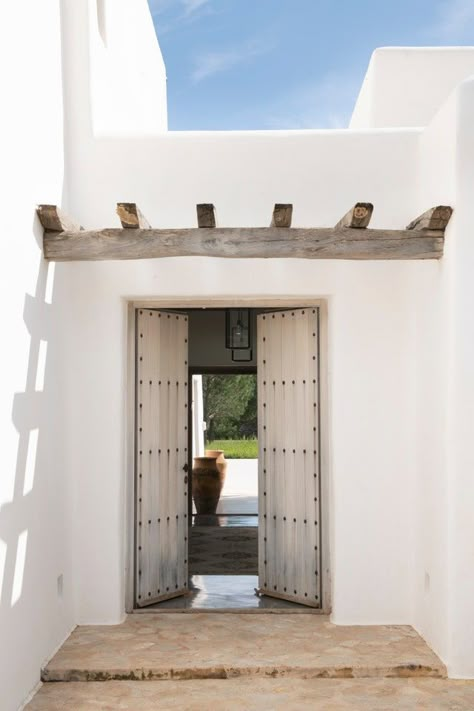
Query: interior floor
217	592
223	545
225	519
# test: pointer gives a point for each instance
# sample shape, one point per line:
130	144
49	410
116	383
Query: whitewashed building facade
85	126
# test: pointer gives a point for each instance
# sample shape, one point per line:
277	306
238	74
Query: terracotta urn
221	460
207	483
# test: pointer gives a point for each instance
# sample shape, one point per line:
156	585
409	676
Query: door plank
262	444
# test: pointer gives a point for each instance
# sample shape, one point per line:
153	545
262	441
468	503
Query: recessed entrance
262	544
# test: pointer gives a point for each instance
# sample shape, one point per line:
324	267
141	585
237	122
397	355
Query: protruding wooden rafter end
282	215
53	220
436	218
206	215
358	216
131	217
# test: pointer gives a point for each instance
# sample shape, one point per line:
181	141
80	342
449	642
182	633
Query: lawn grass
236	448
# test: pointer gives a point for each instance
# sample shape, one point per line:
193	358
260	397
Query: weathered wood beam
435	219
358	216
53	220
282	214
131	217
260	242
206	215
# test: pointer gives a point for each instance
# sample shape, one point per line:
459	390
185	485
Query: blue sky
266	64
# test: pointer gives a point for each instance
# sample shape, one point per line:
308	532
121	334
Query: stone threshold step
158	610
401	671
258	694
226	646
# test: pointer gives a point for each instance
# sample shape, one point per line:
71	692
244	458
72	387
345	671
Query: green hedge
236	448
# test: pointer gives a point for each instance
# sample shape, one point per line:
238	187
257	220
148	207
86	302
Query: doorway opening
249	537
223	538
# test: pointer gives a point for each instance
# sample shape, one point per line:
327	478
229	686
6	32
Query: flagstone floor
259	695
224	645
243	661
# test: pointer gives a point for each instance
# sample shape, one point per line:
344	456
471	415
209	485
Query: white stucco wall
461	402
400	335
128	84
444	533
385	503
405	86
35	482
390	451
37	573
436	185
372	443
322	173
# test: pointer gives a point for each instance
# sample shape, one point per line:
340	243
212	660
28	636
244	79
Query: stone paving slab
258	694
225	646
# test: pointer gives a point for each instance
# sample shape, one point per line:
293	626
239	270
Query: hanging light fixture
237	329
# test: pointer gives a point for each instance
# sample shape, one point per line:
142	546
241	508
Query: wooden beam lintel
260	242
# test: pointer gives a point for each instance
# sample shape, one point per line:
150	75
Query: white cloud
210	63
192	6
168	15
184	9
157	7
455	21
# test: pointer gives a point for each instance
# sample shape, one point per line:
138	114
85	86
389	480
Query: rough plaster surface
176	646
250	694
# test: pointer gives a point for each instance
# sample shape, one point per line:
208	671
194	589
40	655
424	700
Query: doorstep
226	646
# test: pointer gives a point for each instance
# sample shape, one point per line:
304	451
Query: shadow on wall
16	517
33	546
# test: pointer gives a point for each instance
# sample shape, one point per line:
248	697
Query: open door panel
161	570
289	455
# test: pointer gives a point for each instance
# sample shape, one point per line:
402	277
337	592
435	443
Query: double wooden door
289	456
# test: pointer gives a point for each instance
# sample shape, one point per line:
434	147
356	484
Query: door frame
280	302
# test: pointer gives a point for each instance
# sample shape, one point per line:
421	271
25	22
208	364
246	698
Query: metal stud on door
161	570
289	455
